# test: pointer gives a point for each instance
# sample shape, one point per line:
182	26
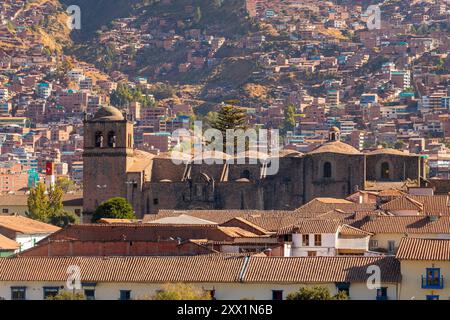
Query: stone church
113	168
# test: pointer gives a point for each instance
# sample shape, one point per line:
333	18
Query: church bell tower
108	151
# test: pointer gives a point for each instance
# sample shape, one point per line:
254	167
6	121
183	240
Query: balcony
433	283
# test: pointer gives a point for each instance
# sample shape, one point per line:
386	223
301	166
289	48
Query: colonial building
113	168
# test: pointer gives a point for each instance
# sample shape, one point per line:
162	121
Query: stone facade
151	183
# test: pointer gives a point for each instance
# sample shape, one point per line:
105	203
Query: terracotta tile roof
383	185
148	232
391	193
268	220
316	206
236	232
320	269
424	249
336	214
204	268
21	199
391	152
115	221
312	226
25	225
7	244
404	224
254	227
430	205
347	230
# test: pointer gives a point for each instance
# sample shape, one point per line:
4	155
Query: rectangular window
391	246
125	294
155	202
18	293
318	240
343	287
6	211
312	253
373	244
89	294
433	279
277	294
305	240
432	297
77	211
382	293
50	292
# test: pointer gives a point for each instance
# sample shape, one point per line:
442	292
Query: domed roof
334	129
108	114
335	147
389	151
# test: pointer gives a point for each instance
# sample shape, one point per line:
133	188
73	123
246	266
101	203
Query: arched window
385	170
130	141
99	139
327	172
112	139
245	174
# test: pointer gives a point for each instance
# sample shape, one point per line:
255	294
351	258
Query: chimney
268	252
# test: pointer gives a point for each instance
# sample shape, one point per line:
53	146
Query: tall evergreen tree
289	118
229	117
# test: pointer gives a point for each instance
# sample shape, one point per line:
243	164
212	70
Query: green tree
399	145
198	15
46	206
289	118
38	203
181	291
65	184
62	218
65	295
114	208
315	293
229	117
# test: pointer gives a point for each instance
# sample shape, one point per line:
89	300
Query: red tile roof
320	269
404	224
205	268
424	249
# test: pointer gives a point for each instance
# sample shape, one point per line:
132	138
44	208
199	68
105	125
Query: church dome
334	129
108	114
335	147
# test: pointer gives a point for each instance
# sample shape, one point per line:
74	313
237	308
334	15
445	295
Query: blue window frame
433	279
50	292
343	287
18	293
89	294
432	297
125	294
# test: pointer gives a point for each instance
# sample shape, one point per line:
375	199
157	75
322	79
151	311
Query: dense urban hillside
218	18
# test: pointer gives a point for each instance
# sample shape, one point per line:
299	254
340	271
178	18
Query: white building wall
28	241
224	291
326	249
